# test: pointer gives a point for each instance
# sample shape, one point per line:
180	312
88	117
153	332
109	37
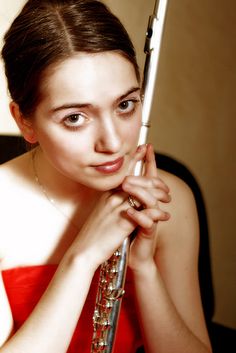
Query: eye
128	106
74	120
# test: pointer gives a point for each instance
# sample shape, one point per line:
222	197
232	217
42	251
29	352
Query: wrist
147	270
80	262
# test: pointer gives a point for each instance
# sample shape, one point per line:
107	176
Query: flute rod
152	47
105	324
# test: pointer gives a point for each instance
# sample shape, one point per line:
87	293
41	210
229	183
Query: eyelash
126	112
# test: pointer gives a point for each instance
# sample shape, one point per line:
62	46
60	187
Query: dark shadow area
11	147
223	338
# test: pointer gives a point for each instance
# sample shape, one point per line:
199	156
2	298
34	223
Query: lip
110	167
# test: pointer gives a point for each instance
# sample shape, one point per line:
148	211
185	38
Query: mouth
110	167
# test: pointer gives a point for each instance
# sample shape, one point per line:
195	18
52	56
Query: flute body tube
113	271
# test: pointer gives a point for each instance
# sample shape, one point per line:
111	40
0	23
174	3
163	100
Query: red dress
25	286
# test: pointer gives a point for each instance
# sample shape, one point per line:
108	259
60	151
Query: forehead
87	77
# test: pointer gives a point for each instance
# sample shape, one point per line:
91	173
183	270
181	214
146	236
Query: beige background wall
193	117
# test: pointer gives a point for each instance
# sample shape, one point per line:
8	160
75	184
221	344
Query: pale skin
80	124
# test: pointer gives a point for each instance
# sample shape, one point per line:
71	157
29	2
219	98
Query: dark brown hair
49	31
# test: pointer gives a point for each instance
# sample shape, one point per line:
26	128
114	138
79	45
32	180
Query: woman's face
89	118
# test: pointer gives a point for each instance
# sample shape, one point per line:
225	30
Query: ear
25	125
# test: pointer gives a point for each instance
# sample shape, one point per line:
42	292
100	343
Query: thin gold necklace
44	191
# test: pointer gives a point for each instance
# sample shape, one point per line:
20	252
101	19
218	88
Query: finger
142	220
133	202
146	218
147	197
138	156
150	182
150	162
161	195
142	195
156	214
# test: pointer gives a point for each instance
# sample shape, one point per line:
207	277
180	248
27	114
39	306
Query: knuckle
151	183
157	215
114	200
150	223
111	202
153	203
160	195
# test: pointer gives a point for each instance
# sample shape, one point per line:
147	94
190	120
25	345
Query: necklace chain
44	191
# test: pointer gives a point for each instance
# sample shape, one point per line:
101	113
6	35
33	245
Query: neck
68	196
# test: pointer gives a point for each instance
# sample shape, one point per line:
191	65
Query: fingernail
167	214
140	147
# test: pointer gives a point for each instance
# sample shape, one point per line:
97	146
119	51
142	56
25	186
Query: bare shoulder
183	223
14	171
181	194
177	246
15	182
14	176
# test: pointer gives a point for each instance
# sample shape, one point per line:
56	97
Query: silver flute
113	271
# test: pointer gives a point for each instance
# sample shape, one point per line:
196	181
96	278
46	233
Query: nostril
108	141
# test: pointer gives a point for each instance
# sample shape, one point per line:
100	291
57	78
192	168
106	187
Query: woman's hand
106	227
148	190
112	219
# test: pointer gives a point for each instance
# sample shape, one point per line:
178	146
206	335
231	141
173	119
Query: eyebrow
83	105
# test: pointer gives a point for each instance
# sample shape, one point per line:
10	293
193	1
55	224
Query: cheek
61	147
67	156
132	133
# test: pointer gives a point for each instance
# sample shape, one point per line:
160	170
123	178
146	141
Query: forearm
163	329
51	325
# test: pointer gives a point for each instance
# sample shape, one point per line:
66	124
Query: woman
75	87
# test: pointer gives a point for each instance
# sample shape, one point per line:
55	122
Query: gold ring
133	203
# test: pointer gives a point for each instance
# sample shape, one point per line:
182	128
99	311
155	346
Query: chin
107	183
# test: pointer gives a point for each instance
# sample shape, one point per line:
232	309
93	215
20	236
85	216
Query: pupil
124	104
73	118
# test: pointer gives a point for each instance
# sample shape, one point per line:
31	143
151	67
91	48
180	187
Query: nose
108	137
